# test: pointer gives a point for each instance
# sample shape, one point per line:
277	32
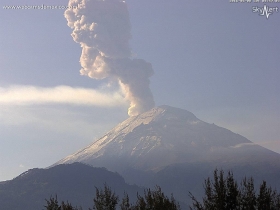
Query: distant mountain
158	138
173	148
166	135
73	182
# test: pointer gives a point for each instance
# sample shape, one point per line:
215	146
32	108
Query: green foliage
52	204
221	193
125	204
152	200
224	193
247	194
105	199
232	192
156	200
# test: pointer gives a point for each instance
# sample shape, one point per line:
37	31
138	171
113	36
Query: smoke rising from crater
102	28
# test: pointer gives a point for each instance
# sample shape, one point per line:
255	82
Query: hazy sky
217	59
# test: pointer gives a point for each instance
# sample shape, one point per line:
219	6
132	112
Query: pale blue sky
218	60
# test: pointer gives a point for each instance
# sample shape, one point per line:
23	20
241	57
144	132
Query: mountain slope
73	182
171	147
165	136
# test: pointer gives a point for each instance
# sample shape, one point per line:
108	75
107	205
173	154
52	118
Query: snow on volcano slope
163	136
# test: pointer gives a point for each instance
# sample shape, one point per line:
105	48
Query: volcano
173	148
164	136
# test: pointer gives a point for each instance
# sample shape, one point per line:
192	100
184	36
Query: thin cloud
32	95
243	144
261	143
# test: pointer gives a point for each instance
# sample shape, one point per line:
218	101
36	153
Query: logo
265	10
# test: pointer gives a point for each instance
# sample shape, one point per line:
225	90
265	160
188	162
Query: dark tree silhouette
224	193
53	204
125	204
105	199
156	200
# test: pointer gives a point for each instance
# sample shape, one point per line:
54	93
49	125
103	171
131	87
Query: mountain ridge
164	146
163	136
75	183
172	148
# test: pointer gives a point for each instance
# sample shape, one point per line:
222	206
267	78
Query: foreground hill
173	148
73	182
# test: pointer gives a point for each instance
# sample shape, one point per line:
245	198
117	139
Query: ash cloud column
102	28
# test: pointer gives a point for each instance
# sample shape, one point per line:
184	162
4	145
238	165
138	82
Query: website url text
39	7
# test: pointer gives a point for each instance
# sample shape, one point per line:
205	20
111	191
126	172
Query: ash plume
102	28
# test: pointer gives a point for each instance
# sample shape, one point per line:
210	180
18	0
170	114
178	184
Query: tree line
220	193
106	199
224	193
